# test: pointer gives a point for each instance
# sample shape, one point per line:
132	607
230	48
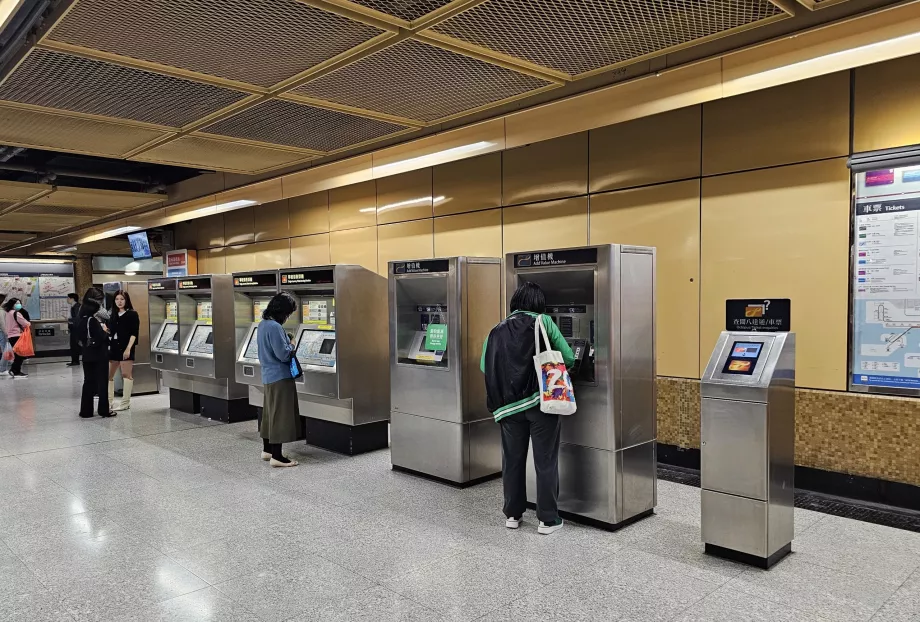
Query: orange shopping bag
24	346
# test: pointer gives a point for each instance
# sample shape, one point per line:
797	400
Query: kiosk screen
202	341
252	348
316	348
169	339
172	310
743	358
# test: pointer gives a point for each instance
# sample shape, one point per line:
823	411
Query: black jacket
74	314
89	329
124	326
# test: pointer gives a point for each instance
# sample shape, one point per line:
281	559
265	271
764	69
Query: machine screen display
743	358
203	311
316	348
202	341
172	310
169	339
252	348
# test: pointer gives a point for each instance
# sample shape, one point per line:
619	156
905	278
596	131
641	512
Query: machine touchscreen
252	348
742	359
202	341
316	348
169	339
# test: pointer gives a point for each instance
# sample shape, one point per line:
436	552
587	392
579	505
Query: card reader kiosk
441	311
339	332
602	298
163	312
748	447
251	293
207	350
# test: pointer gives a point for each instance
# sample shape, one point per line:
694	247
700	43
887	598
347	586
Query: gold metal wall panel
299	125
404	9
468	185
309	214
666	216
260	42
327	176
404	197
579	36
42	130
272	221
357	246
477	234
310	250
885	105
353	206
212	261
271	254
782	232
418	81
650	150
551	169
782	137
554	224
65	82
239	226
213	153
209	231
404	240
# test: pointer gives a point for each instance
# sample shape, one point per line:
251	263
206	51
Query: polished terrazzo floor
162	516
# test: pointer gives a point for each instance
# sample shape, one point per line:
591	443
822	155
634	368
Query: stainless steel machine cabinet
207	351
163	315
602	298
339	330
251	293
145	376
441	311
748	447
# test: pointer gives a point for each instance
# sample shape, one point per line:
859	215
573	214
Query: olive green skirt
281	422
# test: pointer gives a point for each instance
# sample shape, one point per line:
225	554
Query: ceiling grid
252	85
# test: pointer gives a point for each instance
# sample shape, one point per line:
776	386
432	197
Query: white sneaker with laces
512	523
545	529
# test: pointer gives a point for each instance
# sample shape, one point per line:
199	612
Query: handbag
296	369
556	394
6	360
24	347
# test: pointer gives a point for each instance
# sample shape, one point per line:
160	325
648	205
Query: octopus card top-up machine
163	313
206	379
252	292
340	334
602	298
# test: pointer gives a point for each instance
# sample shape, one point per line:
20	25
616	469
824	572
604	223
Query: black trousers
74	348
543	431
95	382
16	368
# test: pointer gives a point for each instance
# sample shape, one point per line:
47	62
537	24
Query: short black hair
9	304
128	305
74	296
280	307
528	297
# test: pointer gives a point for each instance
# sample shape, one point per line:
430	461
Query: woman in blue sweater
280	412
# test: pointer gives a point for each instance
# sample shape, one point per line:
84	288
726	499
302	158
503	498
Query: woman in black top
125	327
93	335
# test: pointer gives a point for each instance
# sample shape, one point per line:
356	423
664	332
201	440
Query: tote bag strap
539	328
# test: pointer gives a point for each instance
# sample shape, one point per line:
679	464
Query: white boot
125	395
111	395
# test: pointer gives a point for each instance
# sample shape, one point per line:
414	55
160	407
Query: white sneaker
276	463
266	456
512	523
545	529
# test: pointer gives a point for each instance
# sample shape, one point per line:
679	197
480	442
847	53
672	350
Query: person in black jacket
74	301
93	335
125	327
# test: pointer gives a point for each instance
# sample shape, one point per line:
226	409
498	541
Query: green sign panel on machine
436	337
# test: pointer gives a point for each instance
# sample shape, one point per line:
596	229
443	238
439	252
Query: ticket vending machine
441	311
603	300
748	447
207	350
251	293
163	314
340	334
145	377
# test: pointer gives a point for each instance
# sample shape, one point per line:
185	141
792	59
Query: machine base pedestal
449	482
227	411
747	558
186	401
348	439
599	524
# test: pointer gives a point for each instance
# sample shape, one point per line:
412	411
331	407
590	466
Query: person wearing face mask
125	328
16	322
93	335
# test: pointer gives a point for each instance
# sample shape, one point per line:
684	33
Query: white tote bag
556	394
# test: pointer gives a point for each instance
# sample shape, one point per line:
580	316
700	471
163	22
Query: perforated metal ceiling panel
209	153
299	125
261	42
404	9
55	210
100	200
419	81
45	224
66	82
578	36
52	131
16	191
